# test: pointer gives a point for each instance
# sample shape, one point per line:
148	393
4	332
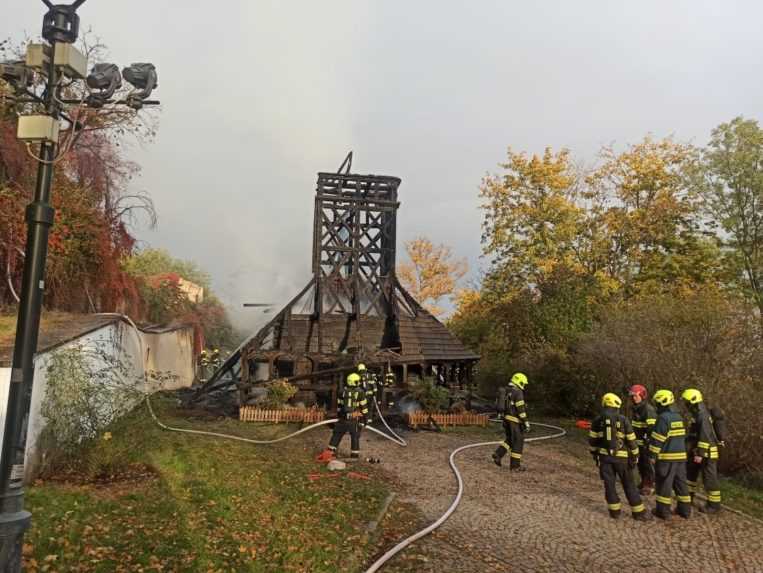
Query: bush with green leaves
88	386
433	398
279	392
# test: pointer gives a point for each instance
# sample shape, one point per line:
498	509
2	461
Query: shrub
278	393
432	398
702	340
87	388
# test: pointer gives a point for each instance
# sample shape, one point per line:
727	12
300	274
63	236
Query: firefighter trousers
709	470
610	472
513	445
340	429
645	469
671	477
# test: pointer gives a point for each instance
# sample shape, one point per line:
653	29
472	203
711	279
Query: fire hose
395	438
379	563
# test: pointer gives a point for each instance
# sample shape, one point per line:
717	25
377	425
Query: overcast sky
260	95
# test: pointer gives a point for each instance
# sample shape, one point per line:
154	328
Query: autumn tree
431	273
531	221
645	216
732	170
93	195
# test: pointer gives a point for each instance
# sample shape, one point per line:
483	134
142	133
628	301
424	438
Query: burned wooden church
353	308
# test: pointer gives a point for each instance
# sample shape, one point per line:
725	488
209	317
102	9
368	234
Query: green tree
732	170
151	262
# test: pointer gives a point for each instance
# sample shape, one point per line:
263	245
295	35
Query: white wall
171	352
167	351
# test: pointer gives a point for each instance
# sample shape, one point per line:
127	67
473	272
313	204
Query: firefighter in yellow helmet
667	451
515	423
369	384
352	411
706	436
613	446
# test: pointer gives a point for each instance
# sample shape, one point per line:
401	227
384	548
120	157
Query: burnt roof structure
353	308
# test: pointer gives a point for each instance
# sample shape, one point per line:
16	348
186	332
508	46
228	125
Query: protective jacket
352	403
515	409
611	437
644	418
702	439
668	439
370	383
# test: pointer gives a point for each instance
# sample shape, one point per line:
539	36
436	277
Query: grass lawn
49	319
7	327
192	503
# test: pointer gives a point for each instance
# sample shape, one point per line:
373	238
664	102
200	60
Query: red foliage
89	237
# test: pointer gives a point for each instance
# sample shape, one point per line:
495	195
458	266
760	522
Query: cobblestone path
552	517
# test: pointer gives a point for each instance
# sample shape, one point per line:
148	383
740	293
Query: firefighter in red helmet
643	420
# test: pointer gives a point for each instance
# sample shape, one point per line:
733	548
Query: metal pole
14	520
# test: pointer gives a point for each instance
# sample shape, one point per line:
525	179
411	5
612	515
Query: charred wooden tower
353	308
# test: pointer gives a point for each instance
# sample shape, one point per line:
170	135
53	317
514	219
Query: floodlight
61	23
106	79
143	77
16	74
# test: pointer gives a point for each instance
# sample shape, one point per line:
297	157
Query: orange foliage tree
431	273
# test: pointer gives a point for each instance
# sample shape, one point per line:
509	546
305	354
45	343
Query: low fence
254	414
420	418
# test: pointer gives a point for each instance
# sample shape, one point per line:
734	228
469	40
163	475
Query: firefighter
515	423
214	359
352	411
643	420
369	385
667	450
703	444
613	447
389	382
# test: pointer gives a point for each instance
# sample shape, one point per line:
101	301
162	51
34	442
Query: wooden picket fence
254	414
419	418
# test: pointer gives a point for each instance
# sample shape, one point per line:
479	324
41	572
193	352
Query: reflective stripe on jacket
668	439
612	436
701	440
644	419
351	400
515	409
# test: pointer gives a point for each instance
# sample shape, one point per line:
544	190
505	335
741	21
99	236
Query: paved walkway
551	518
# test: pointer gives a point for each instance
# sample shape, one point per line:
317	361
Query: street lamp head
143	77
61	23
106	79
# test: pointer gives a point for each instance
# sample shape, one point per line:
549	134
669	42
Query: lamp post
52	61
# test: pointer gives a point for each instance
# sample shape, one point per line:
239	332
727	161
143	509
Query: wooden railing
254	414
420	418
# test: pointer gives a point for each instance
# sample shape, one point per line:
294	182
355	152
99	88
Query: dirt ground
552	517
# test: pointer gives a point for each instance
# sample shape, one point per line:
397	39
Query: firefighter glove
526	426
